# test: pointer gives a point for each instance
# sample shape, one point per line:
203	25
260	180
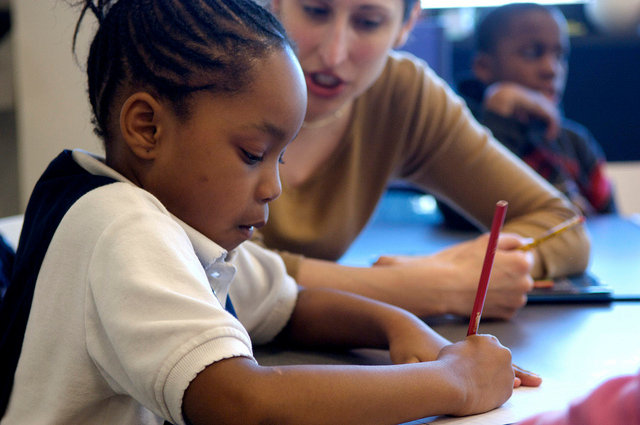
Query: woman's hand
451	277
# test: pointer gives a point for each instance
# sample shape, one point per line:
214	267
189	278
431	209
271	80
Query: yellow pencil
554	231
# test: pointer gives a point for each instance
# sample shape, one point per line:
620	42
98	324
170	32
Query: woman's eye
250	158
367	24
281	158
316	12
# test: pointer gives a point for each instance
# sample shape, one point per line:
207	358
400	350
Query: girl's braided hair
173	48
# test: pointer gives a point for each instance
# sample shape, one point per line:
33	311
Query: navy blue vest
61	185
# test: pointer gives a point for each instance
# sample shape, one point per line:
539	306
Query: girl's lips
324	84
248	229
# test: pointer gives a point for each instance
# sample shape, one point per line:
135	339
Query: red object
496	226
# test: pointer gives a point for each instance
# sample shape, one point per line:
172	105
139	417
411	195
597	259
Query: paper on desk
525	402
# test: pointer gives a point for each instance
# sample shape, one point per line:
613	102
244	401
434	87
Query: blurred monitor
428	42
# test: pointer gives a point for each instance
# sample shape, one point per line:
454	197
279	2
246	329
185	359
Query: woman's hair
408	6
173	48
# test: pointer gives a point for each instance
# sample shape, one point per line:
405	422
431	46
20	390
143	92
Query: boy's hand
513	100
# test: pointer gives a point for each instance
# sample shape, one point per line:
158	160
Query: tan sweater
410	125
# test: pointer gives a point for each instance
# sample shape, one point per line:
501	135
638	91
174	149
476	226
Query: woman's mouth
324	84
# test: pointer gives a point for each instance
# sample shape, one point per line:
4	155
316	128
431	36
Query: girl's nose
270	187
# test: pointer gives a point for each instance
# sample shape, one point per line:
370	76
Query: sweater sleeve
457	159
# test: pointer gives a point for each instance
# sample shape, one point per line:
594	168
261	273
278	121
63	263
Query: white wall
52	108
626	180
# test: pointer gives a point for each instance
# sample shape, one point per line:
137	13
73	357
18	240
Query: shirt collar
215	260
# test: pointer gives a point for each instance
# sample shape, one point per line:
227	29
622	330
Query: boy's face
533	53
218	170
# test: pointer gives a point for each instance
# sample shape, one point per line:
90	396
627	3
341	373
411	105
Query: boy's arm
512	100
468	377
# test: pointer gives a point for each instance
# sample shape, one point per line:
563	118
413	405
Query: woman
374	115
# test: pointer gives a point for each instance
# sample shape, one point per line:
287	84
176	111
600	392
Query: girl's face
219	170
342	45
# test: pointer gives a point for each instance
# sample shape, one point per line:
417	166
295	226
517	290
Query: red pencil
496	226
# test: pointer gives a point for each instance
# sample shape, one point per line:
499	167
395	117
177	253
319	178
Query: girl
120	308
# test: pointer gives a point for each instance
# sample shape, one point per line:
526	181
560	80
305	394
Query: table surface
578	345
572	347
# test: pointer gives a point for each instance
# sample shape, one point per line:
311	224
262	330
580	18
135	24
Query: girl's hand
525	378
482	368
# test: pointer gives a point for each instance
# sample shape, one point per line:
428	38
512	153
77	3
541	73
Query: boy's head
524	43
196	102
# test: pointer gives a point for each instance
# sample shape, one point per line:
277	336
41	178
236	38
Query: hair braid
173	48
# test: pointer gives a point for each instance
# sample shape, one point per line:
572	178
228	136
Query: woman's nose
334	47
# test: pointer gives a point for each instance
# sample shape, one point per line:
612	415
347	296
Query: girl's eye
250	158
281	158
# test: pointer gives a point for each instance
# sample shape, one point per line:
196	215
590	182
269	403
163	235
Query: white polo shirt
128	308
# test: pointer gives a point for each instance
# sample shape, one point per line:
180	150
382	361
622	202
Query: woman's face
342	45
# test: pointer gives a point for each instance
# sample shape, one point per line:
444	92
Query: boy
520	70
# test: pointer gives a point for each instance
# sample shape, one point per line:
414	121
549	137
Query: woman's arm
442	283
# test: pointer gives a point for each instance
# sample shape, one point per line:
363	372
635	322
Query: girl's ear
140	124
408	25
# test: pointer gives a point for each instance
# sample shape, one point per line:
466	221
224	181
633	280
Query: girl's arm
468	377
464	378
327	318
